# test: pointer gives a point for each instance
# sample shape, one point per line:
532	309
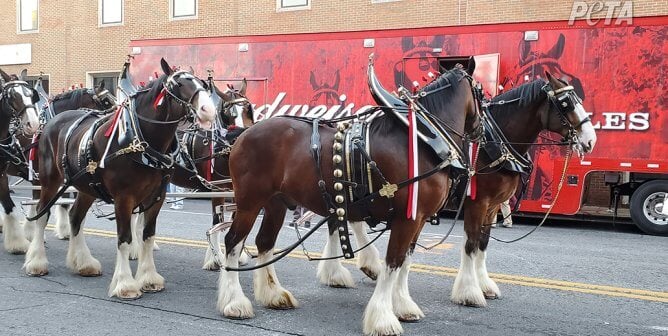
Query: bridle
104	100
168	87
564	101
5	97
228	106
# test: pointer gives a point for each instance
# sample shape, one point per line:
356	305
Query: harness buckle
388	190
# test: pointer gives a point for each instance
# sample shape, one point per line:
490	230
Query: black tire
645	210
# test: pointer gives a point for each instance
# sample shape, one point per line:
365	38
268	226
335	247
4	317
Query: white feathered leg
123	285
15	241
137	229
29	226
210	263
404	307
62	222
379	318
489	288
267	288
466	290
36	263
147	275
331	272
368	259
232	302
79	258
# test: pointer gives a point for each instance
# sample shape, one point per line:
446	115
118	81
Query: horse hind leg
368	259
210	262
62	231
404	307
331	272
79	258
268	290
147	275
123	285
232	302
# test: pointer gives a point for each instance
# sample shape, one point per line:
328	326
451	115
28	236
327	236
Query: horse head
104	99
17	101
235	108
324	92
186	90
533	62
566	115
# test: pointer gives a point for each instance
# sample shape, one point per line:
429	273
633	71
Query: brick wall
596	192
70	43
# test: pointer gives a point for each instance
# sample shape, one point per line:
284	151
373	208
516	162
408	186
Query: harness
10	148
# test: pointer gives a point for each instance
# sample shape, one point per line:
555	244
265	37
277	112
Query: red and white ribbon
411	208
472	188
110	134
31	157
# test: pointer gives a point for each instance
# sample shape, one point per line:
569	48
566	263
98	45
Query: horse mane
72	94
527	94
437	101
151	89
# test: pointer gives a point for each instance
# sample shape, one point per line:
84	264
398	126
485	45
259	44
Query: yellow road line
579	287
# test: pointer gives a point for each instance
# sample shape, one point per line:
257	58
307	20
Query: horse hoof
152	288
369	273
128	295
410	318
490	295
37	273
90	272
211	266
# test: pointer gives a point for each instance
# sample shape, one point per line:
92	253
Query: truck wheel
647	203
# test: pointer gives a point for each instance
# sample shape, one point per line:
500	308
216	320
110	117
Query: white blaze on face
239	119
29	118
206	110
587	134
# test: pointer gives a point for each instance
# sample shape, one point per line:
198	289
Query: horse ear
244	84
5	76
471	67
525	50
100	86
23	75
314	83
165	67
549	77
558	48
192	71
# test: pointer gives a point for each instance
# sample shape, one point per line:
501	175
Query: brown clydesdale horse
521	114
97	98
17	114
135	173
272	168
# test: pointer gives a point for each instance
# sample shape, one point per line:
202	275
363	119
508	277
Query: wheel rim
652	207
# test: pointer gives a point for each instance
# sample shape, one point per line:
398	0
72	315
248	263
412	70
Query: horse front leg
15	241
62	231
489	288
380	315
123	285
147	275
210	262
331	272
268	290
368	259
79	258
232	302
466	289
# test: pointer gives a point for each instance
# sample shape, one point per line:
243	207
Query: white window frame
280	8
383	1
44	76
101	22
18	20
90	76
187	17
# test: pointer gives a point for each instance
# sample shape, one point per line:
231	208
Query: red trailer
620	72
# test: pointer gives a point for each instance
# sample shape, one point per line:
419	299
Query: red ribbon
113	124
158	99
33	150
209	162
474	180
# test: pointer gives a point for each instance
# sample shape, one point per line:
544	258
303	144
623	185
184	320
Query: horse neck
158	136
521	125
73	103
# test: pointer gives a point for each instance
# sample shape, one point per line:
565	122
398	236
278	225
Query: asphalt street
565	279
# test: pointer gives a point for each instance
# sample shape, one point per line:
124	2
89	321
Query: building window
183	9
32	80
288	5
110	80
28	14
111	12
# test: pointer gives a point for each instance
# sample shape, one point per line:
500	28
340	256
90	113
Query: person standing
506	214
